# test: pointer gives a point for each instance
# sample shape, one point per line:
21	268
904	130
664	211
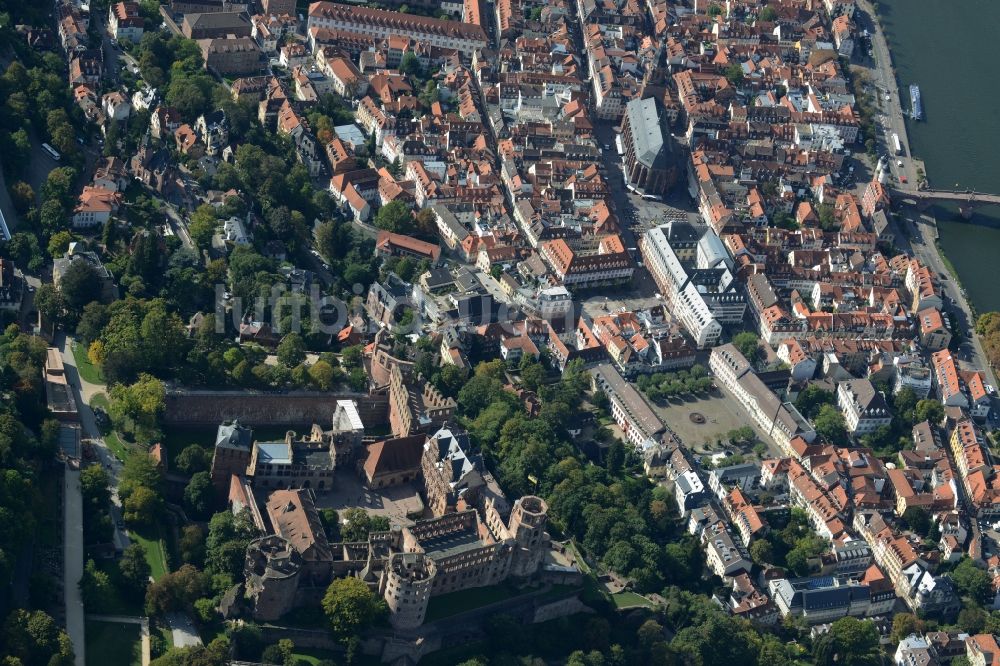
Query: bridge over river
968	200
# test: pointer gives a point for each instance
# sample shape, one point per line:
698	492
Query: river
947	48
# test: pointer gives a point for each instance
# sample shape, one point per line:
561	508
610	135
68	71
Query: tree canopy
351	607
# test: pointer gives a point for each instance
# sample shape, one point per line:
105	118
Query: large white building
724	555
379	23
694	272
864	408
780	421
638	421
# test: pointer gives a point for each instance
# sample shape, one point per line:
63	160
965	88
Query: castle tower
272	576
527	527
407	588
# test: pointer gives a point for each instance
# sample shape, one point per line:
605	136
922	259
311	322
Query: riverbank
959	113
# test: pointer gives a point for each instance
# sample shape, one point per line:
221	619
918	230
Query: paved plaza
722	414
399	503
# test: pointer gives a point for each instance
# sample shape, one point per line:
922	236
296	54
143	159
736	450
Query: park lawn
454	603
151	540
114	442
314	656
121	451
90	372
631	600
113	643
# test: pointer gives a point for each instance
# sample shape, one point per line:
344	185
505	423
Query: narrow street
178	224
884	78
84	391
73	561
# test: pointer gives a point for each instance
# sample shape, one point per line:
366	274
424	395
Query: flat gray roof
647	136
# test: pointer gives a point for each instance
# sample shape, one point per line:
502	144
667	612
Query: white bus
53	153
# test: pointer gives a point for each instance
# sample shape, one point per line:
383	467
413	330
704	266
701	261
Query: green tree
24	250
177	590
134	569
849	642
322	374
928	410
734	73
192	545
827	217
32	638
410	65
762	552
95	487
783	220
193	459
92	322
226	545
904	403
59	243
972	581
142	507
904	624
918	519
80	285
138	406
358	524
972	620
395	217
202	226
812	398
829	424
22	196
95	587
291	350
279	653
199	493
52	215
351	607
533	375
138	472
748	344
767	14
59	186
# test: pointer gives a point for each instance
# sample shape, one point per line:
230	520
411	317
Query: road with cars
891	121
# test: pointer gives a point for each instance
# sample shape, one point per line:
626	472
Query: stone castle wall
293	409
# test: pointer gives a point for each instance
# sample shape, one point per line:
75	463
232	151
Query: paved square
399	503
721	413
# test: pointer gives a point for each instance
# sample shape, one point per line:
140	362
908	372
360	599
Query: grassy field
465	600
112	643
121	450
312	657
151	541
631	600
88	371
